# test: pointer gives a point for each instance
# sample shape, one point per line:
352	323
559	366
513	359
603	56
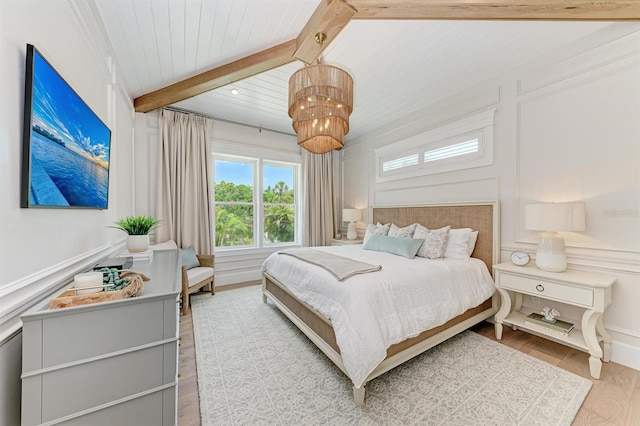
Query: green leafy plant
136	225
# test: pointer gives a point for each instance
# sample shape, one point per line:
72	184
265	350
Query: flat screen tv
66	147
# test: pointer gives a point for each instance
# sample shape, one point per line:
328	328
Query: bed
312	316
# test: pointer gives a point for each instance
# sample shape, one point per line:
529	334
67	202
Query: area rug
255	367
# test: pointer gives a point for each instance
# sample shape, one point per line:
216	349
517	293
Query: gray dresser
111	363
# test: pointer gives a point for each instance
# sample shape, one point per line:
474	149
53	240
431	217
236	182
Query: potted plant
137	229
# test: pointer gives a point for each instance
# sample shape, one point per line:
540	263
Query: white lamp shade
555	217
351	215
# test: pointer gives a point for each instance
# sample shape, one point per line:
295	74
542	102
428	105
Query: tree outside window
279	204
234	203
237	203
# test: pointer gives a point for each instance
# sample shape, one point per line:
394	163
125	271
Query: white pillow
458	243
471	245
378	229
406	232
434	241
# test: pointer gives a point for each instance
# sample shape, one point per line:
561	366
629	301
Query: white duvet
370	312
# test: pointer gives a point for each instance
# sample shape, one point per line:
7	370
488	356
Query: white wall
566	129
42	249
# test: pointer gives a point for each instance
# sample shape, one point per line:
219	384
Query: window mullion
259	199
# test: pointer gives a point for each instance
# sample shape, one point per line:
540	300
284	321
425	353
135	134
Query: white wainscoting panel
464	190
580	143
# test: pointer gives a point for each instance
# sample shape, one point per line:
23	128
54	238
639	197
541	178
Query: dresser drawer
546	289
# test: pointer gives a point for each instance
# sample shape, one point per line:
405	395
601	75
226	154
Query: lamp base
551	262
352	234
551	255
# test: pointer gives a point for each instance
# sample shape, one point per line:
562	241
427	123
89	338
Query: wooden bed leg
358	396
264	298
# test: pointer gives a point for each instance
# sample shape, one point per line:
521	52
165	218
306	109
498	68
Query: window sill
244	251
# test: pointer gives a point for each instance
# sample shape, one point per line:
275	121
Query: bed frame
480	216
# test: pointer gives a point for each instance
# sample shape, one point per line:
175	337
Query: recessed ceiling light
234	91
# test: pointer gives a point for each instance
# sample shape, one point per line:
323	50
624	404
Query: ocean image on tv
69	145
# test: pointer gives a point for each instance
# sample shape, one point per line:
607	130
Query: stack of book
140	256
559	327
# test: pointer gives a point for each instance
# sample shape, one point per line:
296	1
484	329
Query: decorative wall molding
238	277
591	259
438	114
603	60
478	126
413	191
235	266
88	20
583	76
26	293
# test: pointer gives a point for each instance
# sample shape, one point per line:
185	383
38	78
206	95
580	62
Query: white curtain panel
320	185
184	167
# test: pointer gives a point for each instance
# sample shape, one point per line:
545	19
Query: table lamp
352	216
550	218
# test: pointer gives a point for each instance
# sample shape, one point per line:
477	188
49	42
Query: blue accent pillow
407	247
189	258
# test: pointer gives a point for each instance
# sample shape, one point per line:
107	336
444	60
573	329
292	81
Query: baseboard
625	354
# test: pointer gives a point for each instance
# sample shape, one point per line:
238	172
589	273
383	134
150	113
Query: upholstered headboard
480	216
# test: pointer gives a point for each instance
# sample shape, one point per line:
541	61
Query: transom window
460	145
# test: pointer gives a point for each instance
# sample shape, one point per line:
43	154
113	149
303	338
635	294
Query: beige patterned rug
255	367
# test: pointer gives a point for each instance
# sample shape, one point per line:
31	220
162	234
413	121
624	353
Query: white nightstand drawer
546	289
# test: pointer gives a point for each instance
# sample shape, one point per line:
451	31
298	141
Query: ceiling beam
217	77
330	17
521	10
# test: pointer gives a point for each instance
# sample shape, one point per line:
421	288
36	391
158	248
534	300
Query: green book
557	326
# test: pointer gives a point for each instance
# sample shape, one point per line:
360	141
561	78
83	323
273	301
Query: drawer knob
540	287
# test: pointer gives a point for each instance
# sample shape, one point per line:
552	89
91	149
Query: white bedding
370	312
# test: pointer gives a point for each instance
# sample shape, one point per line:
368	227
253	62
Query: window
278	203
234	202
452	150
255	202
401	162
460	145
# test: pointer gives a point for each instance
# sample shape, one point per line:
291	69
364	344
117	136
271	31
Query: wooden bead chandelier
320	102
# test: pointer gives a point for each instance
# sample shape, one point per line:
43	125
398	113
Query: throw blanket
341	267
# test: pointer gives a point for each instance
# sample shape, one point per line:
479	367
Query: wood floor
613	400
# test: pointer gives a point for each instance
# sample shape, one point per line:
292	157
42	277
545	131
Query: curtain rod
185	111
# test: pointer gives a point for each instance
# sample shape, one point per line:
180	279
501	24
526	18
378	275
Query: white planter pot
137	243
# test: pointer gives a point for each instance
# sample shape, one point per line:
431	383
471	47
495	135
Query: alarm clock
520	258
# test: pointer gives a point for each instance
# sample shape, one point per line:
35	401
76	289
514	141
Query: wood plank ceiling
403	56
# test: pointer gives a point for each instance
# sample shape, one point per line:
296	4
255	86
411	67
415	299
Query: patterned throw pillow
406	232
378	229
435	241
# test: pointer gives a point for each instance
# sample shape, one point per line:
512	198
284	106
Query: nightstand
592	292
345	242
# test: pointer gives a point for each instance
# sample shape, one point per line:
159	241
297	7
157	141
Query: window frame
258	203
478	126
